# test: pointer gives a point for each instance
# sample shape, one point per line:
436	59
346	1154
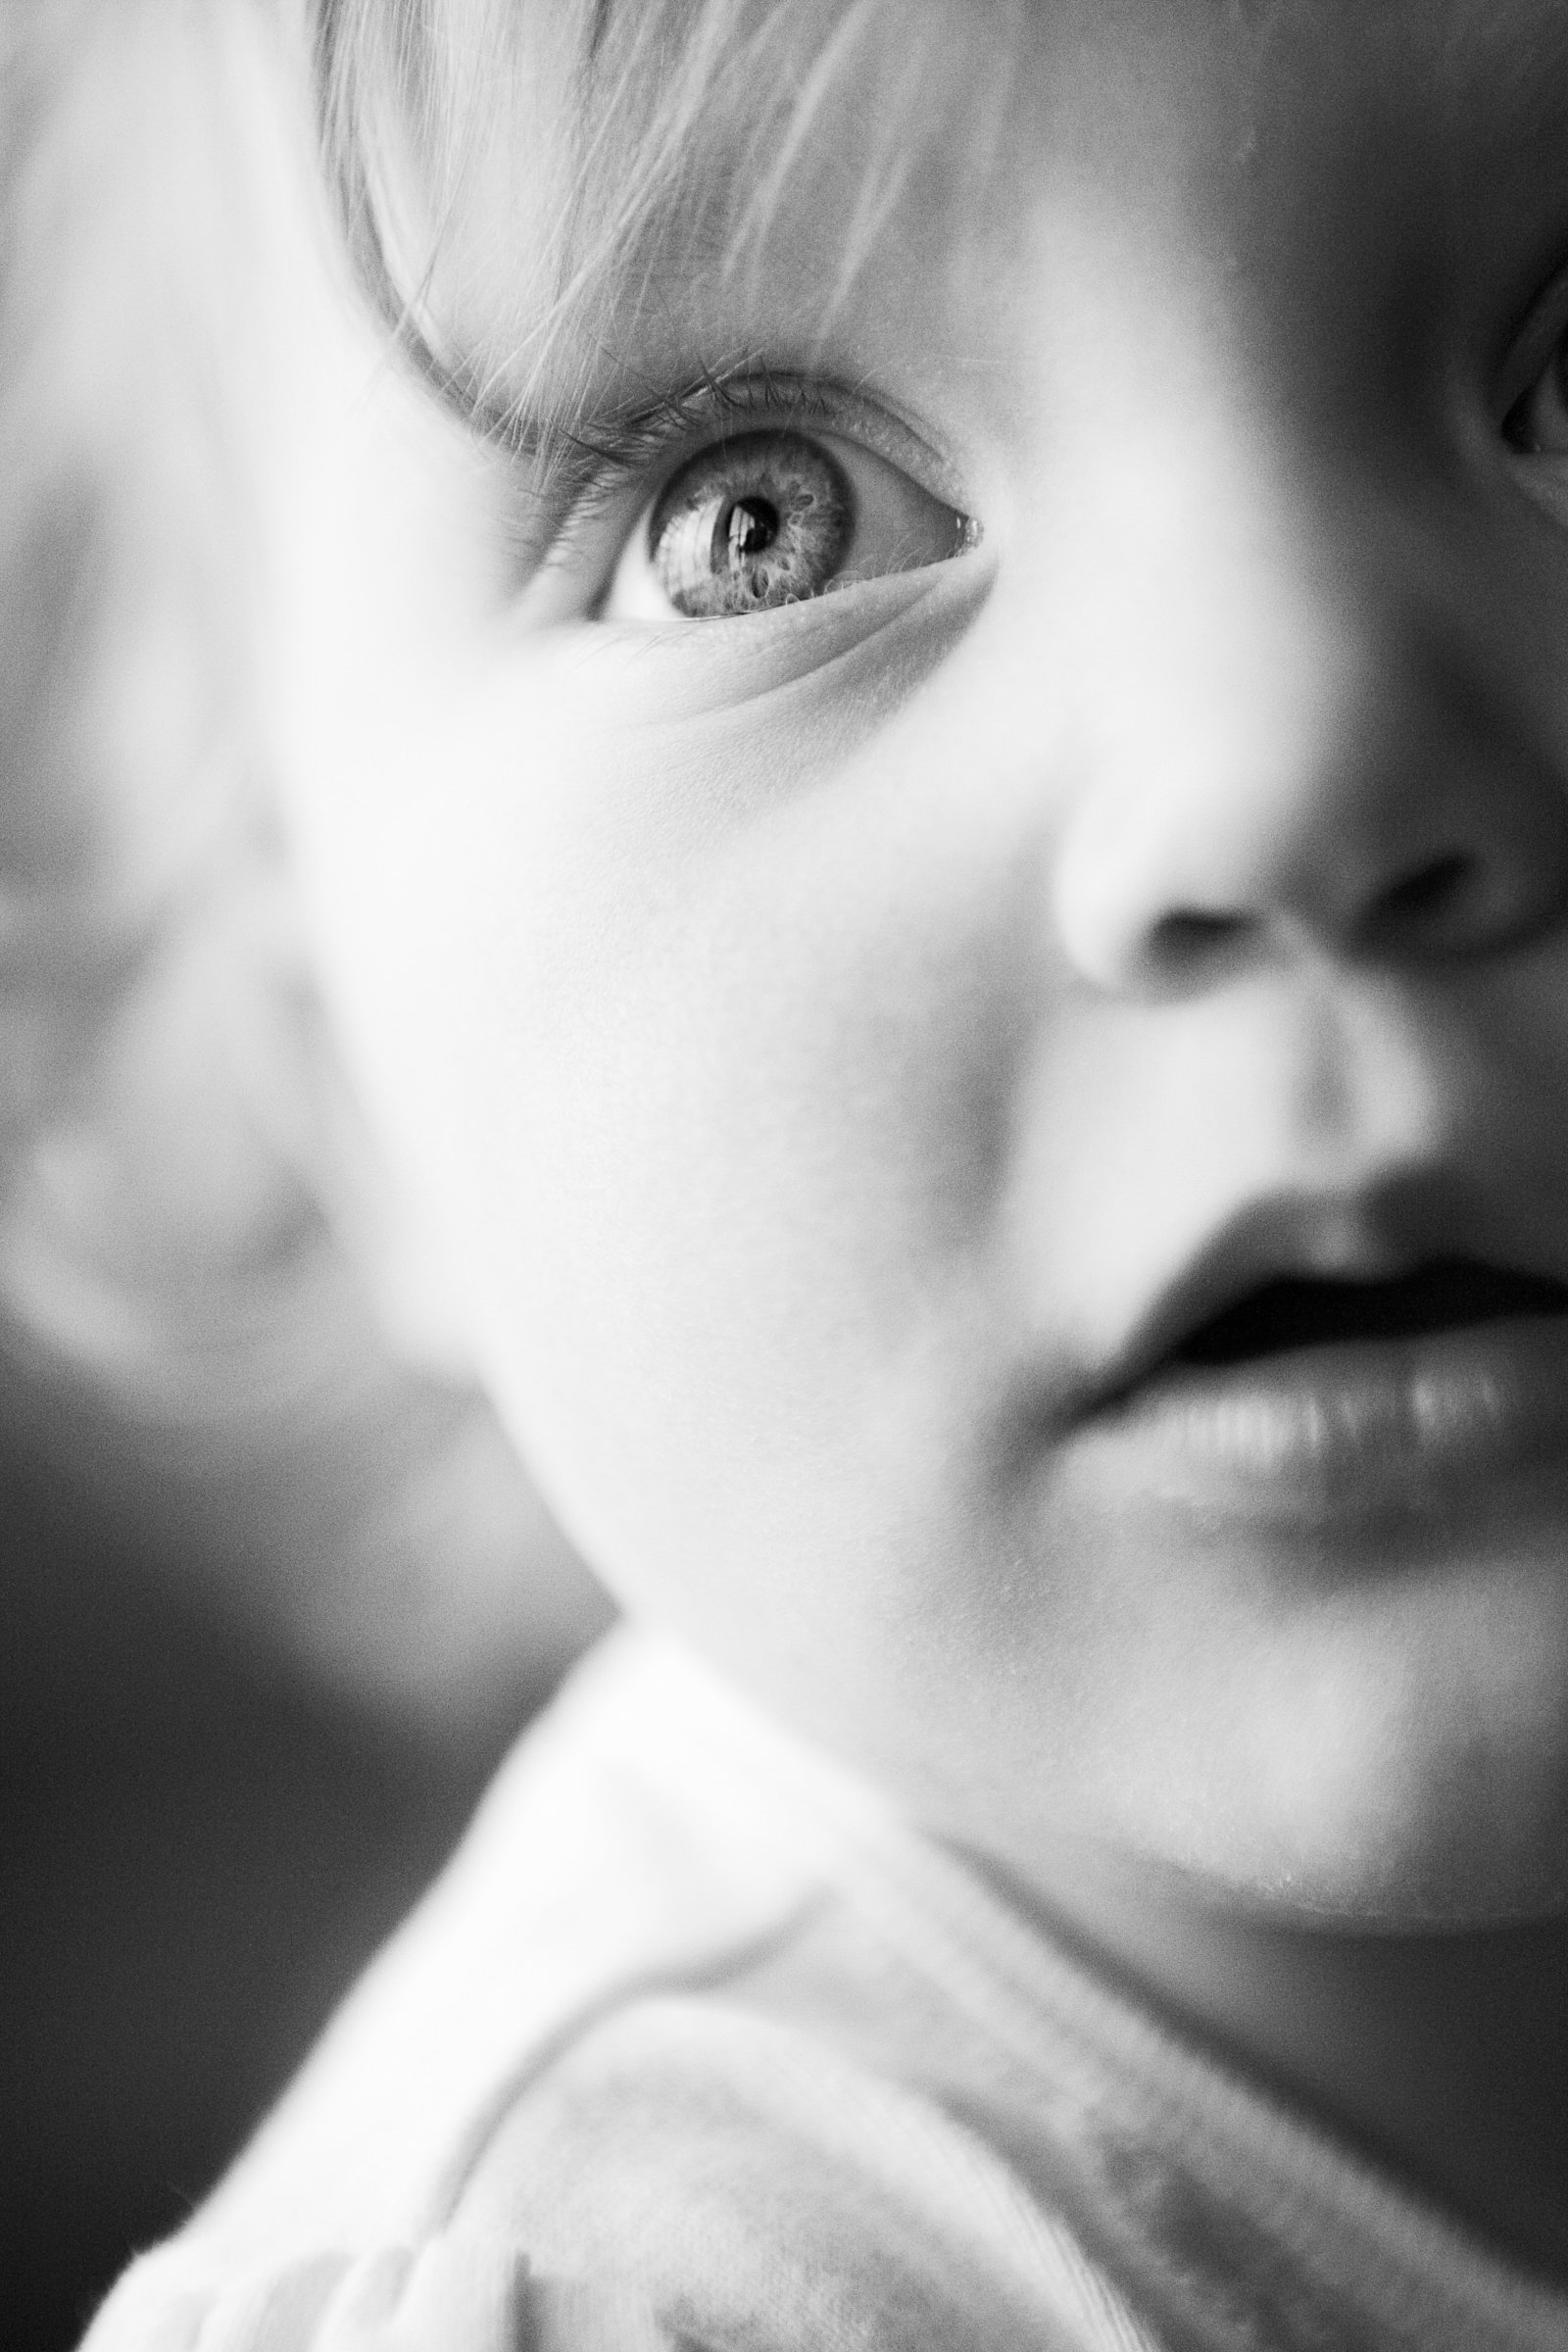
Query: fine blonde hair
192	1224
626	138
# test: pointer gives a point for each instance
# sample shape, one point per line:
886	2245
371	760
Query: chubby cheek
716	1071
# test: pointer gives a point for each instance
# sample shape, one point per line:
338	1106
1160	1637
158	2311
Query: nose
1295	742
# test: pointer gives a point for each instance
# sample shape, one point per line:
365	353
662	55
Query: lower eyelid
684	672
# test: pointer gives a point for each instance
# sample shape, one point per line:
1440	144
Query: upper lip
1303	1239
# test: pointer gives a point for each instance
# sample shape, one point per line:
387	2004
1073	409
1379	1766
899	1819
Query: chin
1443	1839
1437	1817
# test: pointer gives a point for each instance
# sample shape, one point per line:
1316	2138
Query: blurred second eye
1538	424
774	517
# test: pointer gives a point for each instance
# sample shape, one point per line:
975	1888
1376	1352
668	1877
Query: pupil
749	530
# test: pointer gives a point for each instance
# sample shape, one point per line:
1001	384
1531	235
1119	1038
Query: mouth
1304	1399
1282	1316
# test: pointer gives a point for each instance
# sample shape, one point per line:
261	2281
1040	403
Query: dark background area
198	1847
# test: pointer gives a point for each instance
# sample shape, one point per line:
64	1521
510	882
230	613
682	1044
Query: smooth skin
822	1033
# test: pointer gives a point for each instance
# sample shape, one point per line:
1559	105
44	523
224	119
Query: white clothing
696	2043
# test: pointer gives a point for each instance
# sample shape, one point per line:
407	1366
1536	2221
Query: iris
751	524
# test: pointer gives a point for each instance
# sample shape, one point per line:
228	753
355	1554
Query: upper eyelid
593	466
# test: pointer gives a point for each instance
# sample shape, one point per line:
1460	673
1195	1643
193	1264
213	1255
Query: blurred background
276	1594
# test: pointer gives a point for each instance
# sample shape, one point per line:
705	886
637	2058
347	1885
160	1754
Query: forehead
666	180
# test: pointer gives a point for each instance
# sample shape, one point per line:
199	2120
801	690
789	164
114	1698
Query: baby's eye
773	517
1538	421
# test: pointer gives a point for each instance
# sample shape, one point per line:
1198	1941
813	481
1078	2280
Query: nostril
1434	891
1189	937
1439	910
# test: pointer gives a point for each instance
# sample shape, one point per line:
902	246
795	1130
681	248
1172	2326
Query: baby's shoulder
681	2175
452	2293
766	2187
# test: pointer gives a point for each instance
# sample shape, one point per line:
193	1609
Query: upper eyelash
590	464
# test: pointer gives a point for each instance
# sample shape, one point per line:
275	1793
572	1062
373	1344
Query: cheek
712	1065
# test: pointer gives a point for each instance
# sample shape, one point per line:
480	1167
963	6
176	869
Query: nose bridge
1290	730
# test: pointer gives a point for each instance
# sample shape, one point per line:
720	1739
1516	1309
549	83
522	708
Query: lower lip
1354	1428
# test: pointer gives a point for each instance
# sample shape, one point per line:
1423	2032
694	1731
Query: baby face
976	963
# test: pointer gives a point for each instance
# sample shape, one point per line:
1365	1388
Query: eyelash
599	466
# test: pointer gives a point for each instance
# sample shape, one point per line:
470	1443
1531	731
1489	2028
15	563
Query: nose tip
1379	806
